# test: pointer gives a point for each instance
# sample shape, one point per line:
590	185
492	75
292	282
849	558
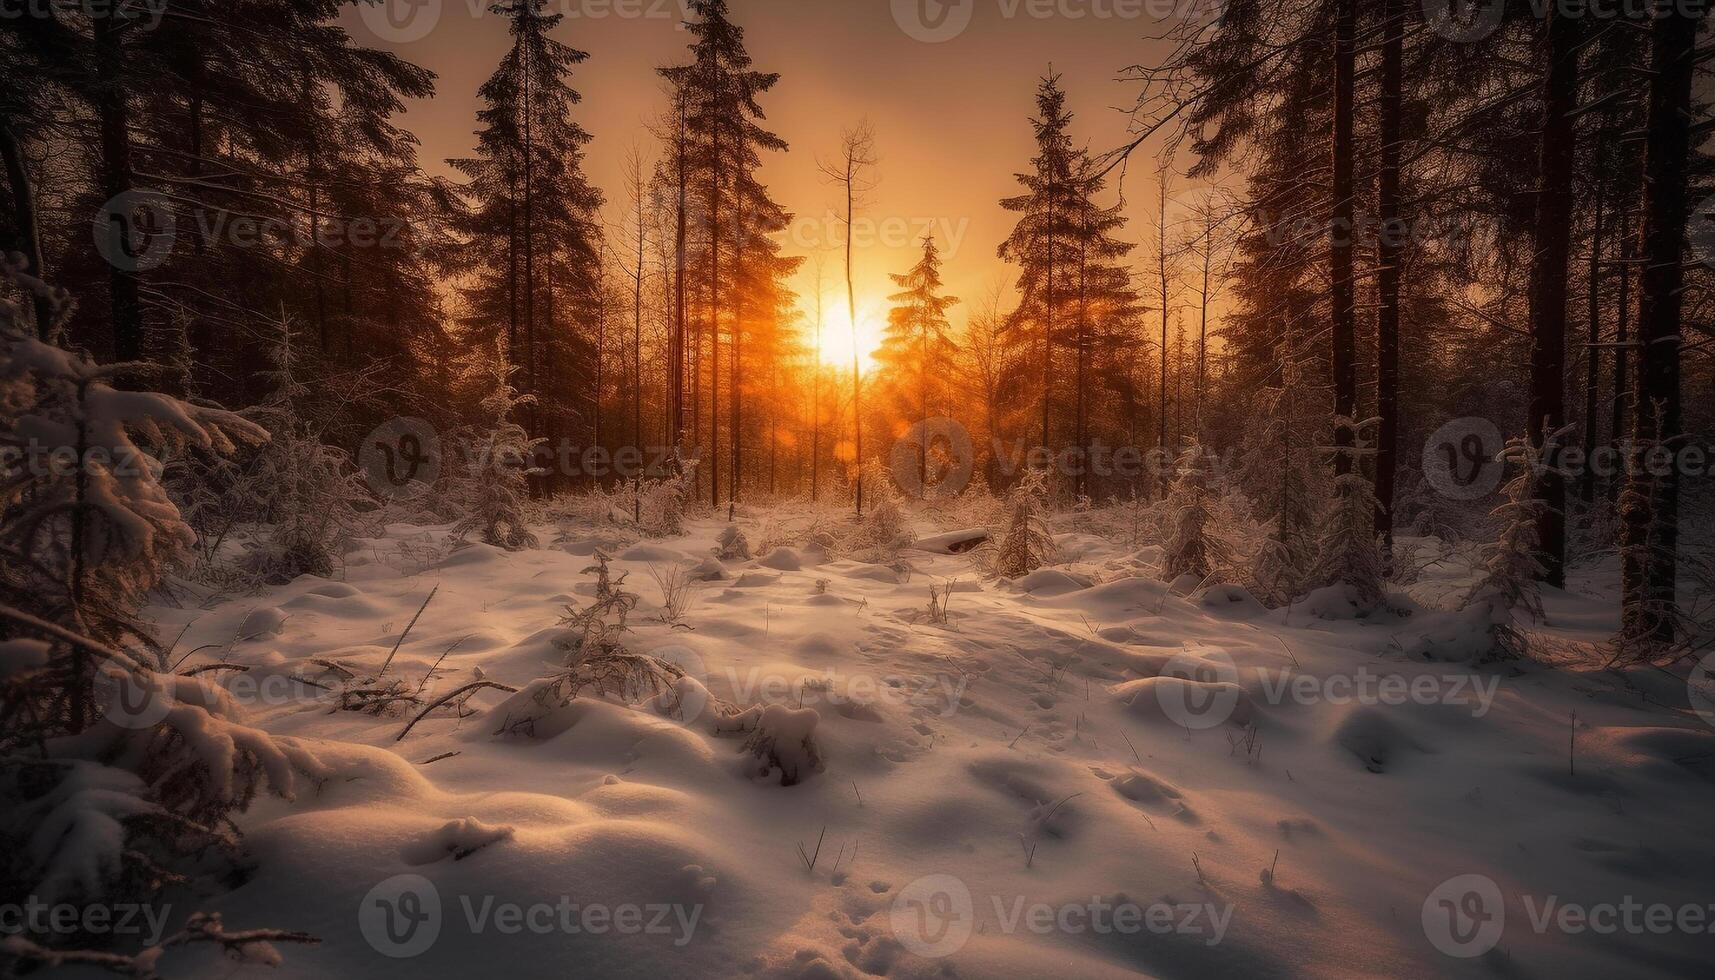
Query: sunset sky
951	118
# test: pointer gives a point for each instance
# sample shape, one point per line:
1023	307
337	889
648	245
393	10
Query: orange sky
951	118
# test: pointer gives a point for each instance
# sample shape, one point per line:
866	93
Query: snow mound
952	542
1231	602
457	838
1186	703
262	621
1369	733
648	552
782	559
1052	582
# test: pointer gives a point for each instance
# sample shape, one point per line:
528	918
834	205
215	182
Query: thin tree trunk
1388	258
1649	513
1341	230
113	118
1592	353
851	314
1547	401
1622	337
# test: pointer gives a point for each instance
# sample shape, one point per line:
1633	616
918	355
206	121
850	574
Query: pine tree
499	452
1348	554
916	350
530	243
724	138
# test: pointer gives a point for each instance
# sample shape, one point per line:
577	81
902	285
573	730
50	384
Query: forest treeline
1362	220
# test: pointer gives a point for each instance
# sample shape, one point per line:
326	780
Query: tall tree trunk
529	110
676	410
1592	353
1649	512
113	117
1341	230
637	358
1388	257
1553	240
1622	337
735	387
816	394
1048	320
851	314
1161	268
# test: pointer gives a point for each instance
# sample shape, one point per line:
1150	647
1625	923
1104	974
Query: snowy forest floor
1027	790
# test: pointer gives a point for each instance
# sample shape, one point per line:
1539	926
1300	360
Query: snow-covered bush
732	545
1022	543
661	507
1192	547
117	778
498	469
312	496
1512	563
1348	552
782	738
1287	553
86	529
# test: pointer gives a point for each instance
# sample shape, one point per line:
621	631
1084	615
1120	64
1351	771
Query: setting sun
839	339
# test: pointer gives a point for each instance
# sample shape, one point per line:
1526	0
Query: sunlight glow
838	336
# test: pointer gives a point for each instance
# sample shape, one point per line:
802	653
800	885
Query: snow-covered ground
1081	774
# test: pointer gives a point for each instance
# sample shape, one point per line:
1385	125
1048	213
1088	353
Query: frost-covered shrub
661	508
498	469
732	545
1287	553
1023	542
1192	547
782	738
1348	553
86	528
1512	563
312	497
117	778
